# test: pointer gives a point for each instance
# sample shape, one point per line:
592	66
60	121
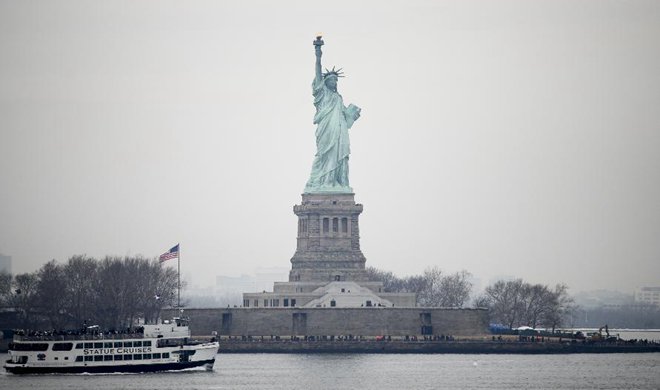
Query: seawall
371	321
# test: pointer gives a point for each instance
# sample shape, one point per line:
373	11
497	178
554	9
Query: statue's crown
333	72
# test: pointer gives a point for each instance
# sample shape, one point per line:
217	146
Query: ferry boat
160	347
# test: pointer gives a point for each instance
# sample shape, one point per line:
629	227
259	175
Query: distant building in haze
603	299
648	295
262	279
5	263
234	284
266	276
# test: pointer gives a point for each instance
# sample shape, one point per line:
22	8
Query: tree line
517	303
433	287
112	292
512	303
115	292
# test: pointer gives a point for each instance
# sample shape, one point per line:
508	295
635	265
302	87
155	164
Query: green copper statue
333	119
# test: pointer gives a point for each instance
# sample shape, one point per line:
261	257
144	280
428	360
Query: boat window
166	355
128	357
28	346
89	358
119	357
137	343
156	356
98	358
98	345
89	345
137	356
169	343
107	345
79	346
181	322
62	346
128	344
146	356
146	343
117	344
107	357
79	358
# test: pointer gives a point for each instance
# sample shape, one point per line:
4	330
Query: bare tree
119	292
391	283
51	291
114	292
23	297
5	288
159	290
414	284
503	300
534	303
455	289
516	303
430	293
561	307
133	288
81	278
433	288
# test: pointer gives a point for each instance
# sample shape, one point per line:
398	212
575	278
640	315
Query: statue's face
331	82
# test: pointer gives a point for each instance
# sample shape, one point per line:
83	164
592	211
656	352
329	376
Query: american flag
173	253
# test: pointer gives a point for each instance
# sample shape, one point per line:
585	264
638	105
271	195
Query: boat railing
79	337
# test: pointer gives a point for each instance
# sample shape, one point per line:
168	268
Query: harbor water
378	372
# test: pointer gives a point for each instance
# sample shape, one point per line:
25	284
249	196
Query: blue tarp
497	328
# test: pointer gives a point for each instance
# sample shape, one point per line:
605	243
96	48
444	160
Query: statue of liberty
333	119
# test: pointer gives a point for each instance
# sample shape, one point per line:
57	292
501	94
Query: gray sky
503	137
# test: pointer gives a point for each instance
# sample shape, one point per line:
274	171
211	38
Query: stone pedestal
327	269
328	239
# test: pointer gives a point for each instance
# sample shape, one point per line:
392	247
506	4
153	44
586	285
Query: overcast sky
507	138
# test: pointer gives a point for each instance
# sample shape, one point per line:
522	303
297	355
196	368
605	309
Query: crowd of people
84	333
333	338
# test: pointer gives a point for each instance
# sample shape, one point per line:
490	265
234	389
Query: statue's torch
319	41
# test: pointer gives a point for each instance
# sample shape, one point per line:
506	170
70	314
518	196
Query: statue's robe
333	119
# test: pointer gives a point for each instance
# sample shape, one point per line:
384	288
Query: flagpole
178	287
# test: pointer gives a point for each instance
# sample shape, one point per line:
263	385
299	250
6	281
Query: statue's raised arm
317	46
333	119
